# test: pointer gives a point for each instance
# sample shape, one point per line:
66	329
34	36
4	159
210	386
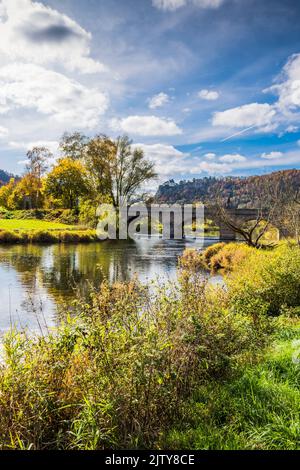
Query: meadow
33	224
23	229
191	365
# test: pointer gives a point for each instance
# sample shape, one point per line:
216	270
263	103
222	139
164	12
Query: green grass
24	231
260	409
32	224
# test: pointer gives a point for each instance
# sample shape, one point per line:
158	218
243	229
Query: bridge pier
226	233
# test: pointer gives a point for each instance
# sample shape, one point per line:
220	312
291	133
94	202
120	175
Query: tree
261	192
287	214
130	170
38	159
99	160
73	145
116	169
5	193
67	182
27	194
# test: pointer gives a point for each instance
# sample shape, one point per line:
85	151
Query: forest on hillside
236	192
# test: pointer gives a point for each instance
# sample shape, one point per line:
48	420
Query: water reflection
35	278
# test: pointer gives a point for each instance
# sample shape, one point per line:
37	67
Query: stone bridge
226	233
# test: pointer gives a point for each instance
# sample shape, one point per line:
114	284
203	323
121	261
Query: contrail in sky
238	133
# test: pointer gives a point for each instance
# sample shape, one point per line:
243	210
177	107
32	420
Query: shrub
42	236
266	282
229	256
210	252
118	374
192	260
7	236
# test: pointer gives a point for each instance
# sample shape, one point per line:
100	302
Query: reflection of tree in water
25	260
67	270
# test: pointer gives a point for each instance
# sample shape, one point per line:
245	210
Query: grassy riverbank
47	236
24	231
190	366
33	224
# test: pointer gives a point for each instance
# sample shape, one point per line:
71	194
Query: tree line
87	172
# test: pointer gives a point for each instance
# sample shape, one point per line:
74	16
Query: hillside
5	177
238	192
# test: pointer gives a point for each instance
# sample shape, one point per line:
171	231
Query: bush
42	236
87	213
212	251
228	257
48	236
192	260
5	213
118	374
7	236
266	282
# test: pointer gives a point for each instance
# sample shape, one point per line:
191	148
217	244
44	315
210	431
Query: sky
205	87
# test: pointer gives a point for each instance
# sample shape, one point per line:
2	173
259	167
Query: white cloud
33	32
288	86
3	132
146	126
272	155
168	160
254	114
210	156
159	100
208	95
290	129
264	117
31	87
52	145
168	5
232	158
213	168
172	5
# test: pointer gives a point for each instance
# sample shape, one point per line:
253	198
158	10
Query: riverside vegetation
192	365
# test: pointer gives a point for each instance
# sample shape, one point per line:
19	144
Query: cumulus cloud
210	156
213	168
232	158
33	87
36	33
52	145
272	155
254	114
159	100
146	126
264	117
288	85
172	5
208	95
168	160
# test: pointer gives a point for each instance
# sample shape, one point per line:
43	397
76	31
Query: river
34	279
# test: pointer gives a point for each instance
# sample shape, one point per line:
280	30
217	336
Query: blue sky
205	87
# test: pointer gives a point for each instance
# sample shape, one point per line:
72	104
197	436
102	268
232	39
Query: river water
34	279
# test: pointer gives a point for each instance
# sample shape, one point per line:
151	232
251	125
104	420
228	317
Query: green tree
67	182
116	169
